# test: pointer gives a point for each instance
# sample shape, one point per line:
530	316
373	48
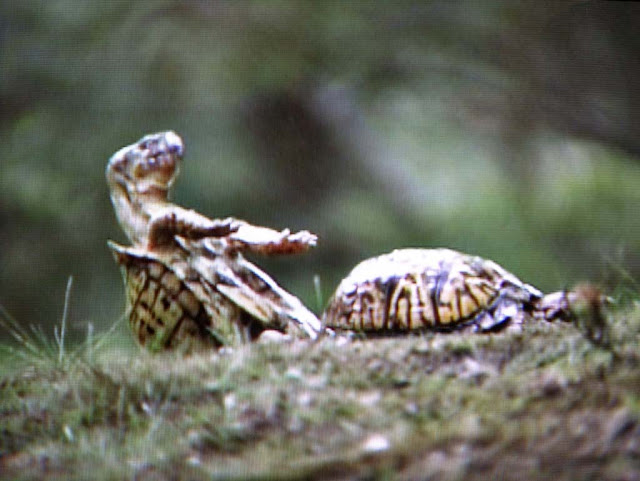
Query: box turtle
437	289
187	283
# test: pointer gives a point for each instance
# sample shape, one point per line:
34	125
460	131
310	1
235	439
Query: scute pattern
438	289
169	305
161	310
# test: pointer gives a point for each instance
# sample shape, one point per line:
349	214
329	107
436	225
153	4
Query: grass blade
63	326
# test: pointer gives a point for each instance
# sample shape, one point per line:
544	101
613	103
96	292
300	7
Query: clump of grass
34	346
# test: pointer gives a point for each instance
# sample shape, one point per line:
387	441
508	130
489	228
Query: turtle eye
174	144
176	149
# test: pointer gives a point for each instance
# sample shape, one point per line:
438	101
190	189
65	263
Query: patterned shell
164	306
188	299
437	289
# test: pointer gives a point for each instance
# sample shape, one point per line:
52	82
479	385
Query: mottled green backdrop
505	129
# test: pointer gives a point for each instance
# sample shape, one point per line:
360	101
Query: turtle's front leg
267	241
166	224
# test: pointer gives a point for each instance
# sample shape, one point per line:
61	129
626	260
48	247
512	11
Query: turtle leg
187	223
263	240
505	312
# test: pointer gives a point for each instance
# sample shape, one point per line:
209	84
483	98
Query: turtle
187	282
437	289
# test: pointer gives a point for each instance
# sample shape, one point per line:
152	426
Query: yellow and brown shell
170	305
438	289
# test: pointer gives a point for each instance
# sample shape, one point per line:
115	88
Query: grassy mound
542	402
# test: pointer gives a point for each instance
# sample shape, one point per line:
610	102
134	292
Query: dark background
504	129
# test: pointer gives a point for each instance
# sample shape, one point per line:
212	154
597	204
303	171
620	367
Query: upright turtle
437	289
187	282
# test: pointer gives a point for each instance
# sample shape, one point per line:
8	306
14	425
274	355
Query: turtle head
148	166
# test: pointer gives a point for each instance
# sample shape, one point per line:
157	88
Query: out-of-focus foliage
505	129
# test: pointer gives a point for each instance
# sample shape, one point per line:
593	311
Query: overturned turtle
187	283
437	289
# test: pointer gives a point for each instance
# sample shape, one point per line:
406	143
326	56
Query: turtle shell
166	306
195	296
439	289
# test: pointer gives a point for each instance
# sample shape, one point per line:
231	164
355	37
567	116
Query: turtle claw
270	242
304	239
293	243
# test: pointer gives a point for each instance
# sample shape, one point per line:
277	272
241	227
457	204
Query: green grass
543	402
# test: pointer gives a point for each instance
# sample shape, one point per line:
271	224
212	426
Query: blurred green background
504	129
